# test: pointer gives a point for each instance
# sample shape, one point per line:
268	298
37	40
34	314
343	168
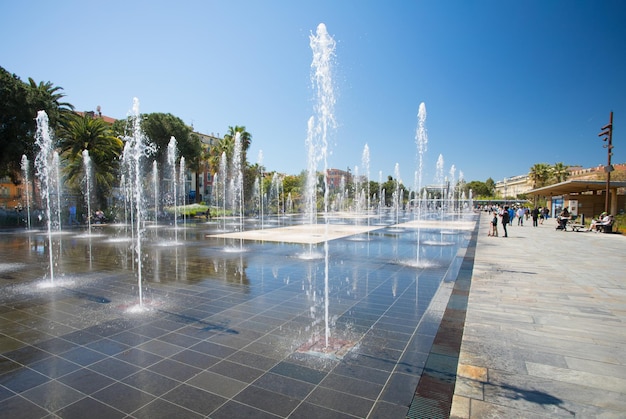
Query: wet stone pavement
223	328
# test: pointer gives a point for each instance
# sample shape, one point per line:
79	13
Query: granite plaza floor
224	327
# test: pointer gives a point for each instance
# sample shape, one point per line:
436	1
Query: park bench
606	228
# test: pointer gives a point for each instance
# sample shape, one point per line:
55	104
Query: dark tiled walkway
222	330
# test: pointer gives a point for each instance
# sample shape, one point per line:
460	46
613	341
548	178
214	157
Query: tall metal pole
608	168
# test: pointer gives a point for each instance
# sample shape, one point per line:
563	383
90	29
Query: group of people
507	215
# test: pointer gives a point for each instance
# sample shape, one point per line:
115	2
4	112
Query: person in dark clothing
505	220
535	215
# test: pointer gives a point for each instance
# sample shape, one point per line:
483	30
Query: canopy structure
575	186
589	204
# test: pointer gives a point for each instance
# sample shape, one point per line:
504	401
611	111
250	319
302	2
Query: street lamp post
607	133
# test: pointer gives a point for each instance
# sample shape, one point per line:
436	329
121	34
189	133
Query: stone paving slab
545	326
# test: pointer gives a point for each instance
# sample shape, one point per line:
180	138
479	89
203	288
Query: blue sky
506	84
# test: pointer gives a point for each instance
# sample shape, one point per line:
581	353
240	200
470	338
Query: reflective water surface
336	329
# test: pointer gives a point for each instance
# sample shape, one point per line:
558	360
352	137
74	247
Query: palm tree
245	138
214	153
539	174
560	172
80	133
47	97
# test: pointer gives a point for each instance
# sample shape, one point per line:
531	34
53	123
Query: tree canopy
19	104
79	133
160	128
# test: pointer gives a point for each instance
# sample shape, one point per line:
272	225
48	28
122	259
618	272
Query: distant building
98	114
335	177
521	184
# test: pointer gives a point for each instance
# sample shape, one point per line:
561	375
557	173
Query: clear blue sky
506	83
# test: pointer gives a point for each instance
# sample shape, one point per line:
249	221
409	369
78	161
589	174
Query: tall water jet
421	140
355	199
155	190
452	189
440	181
222	177
381	200
261	192
43	166
183	192
25	165
275	188
396	194
56	165
365	160
87	180
237	177
323	47
171	164
136	151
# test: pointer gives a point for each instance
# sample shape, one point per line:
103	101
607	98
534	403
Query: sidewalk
545	330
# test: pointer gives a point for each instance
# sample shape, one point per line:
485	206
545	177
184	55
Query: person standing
535	215
520	216
494	225
505	220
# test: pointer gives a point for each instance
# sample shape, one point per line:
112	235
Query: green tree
559	172
491	185
19	104
478	188
161	127
225	146
47	97
80	133
245	138
16	124
539	175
